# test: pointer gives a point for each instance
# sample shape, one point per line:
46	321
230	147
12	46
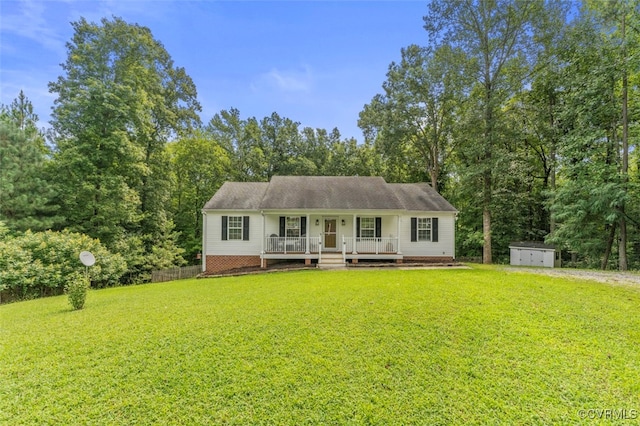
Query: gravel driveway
609	277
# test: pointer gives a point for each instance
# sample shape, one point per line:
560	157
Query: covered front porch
291	235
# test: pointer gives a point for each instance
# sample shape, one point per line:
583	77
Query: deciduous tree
497	38
120	100
412	122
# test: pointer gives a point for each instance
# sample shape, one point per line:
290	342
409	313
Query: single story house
325	219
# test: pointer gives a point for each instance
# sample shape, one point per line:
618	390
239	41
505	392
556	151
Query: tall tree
596	188
415	117
20	113
316	148
589	191
200	166
497	37
25	193
279	141
119	101
620	22
532	120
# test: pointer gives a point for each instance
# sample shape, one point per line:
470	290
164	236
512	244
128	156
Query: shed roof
532	245
327	193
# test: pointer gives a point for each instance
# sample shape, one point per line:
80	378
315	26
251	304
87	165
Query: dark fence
175	273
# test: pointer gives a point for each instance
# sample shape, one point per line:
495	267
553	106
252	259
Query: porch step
332	266
331	261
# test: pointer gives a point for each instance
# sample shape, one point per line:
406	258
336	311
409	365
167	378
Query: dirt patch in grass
278	267
297	266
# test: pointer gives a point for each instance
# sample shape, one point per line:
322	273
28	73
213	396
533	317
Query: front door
330	233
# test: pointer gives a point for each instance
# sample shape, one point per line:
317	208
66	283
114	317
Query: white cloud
28	19
289	81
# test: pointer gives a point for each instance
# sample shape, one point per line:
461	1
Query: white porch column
355	233
398	233
307	235
204	242
264	236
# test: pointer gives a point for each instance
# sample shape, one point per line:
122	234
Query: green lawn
476	346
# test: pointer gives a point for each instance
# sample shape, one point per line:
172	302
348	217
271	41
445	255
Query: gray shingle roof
327	193
420	197
238	196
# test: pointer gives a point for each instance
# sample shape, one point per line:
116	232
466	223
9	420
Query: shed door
537	258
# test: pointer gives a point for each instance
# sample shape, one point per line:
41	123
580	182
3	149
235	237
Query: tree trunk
434	178
622	250
486	230
607	251
487	175
552	155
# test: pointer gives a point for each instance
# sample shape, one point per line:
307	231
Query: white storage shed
534	254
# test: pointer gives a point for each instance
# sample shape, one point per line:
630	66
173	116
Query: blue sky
315	62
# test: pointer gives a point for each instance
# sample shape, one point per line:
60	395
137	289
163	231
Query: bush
36	264
76	290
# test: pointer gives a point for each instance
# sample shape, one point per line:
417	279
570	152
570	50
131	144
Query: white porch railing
370	245
284	245
291	244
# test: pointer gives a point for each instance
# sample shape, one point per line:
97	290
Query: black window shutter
282	225
303	226
358	227
434	229
378	227
224	227
414	229
245	228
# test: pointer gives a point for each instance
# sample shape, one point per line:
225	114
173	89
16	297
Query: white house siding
272	223
389	226
214	245
445	247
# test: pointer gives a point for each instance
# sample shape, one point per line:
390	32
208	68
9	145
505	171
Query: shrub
36	264
76	290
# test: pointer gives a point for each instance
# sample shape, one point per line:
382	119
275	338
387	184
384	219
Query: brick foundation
428	259
216	264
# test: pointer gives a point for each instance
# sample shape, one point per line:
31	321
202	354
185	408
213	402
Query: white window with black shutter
293	226
235	228
369	227
424	229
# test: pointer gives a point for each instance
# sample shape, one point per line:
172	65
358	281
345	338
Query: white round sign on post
87	258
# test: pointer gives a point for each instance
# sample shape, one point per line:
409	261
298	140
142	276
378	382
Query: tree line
524	114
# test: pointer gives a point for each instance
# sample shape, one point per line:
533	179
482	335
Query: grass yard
476	346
